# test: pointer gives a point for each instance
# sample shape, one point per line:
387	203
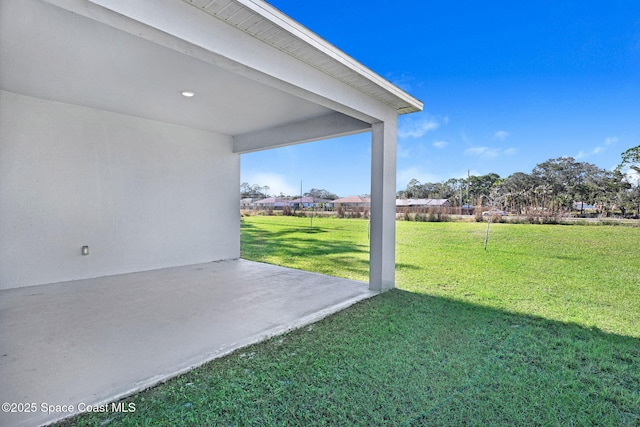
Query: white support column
382	257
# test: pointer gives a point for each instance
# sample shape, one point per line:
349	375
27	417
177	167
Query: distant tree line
553	186
256	191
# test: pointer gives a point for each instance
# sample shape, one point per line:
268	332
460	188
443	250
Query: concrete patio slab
88	342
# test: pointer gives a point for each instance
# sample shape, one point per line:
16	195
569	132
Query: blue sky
506	85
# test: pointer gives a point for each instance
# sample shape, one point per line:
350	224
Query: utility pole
468	179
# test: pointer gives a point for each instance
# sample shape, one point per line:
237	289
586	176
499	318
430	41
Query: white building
122	124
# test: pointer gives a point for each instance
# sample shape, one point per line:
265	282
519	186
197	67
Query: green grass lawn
589	275
543	328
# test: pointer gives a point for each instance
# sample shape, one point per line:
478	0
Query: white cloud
482	152
277	183
465	138
405	81
488	152
440	144
415	128
501	135
403	151
410	149
584	154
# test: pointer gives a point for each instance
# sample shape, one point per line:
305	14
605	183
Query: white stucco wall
141	194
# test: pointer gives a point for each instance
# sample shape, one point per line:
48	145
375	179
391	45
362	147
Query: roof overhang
263	21
255	72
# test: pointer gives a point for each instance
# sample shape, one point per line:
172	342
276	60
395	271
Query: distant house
304	202
310	202
422	203
246	203
324	204
581	206
353	202
271	202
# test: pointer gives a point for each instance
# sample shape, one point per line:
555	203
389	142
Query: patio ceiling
62	56
85	54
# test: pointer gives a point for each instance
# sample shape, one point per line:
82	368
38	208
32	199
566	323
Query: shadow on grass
298	243
284	232
408	359
298	246
510	252
404	265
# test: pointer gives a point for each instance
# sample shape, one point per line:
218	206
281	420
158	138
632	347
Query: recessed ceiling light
188	93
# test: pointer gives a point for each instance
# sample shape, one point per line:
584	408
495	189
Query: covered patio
122	126
88	342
